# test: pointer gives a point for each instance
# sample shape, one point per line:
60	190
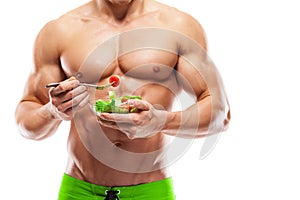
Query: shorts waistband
158	188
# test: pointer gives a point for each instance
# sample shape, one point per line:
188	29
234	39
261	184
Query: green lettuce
113	104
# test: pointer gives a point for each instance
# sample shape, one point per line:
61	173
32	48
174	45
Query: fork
97	87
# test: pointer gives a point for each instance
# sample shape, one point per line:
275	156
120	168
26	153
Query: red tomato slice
115	80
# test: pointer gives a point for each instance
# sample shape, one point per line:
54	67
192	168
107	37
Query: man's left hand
147	122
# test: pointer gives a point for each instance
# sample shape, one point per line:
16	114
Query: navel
117	144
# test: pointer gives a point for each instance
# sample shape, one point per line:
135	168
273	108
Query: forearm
199	120
36	121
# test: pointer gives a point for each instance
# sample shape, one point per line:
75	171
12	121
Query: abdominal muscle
108	157
83	165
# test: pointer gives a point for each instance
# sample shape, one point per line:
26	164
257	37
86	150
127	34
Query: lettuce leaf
113	105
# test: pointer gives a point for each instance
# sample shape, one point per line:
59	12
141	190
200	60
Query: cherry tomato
123	100
115	80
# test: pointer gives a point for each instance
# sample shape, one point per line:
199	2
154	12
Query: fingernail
104	115
130	101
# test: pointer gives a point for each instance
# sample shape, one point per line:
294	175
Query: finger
139	104
81	98
68	96
132	119
106	123
114	117
81	103
67	114
128	130
74	93
64	86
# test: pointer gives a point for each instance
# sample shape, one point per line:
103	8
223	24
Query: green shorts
75	189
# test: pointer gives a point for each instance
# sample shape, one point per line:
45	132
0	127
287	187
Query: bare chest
94	53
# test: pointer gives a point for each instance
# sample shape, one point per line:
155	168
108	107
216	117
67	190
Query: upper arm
47	66
192	57
197	72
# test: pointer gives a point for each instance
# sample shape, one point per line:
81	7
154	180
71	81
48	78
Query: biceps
35	86
191	79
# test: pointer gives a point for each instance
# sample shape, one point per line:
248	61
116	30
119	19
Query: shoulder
52	38
184	23
55	32
189	26
60	25
49	36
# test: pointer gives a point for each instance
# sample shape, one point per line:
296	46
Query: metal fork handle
52	85
97	87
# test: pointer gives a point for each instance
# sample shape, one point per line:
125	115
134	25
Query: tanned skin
61	48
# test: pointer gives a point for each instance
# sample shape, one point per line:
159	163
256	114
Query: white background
255	45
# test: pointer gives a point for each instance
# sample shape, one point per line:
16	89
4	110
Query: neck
120	11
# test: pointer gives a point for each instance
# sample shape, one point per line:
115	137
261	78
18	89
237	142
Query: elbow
30	128
227	120
27	133
214	121
23	127
219	122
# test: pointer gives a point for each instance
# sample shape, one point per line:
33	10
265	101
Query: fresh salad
115	104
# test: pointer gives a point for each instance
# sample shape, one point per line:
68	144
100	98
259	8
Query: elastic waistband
159	188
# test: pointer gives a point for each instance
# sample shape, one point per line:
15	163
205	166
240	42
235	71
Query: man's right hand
67	98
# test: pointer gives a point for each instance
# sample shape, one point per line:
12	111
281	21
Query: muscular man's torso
94	48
